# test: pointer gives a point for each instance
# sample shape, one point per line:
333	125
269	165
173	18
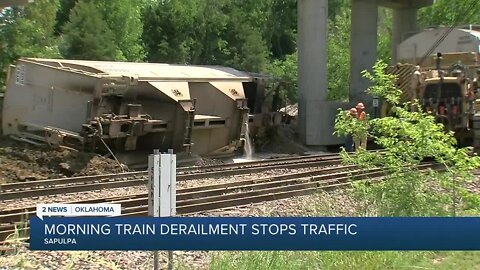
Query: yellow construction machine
447	86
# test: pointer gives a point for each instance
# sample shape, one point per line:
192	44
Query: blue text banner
254	233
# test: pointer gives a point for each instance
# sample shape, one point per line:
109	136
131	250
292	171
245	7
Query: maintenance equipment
445	83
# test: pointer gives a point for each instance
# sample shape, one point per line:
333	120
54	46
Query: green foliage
446	260
338	64
124	20
27	32
346	123
35	30
384	36
287	71
221	32
315	260
383	84
87	35
409	138
252	54
445	12
339	43
185	31
63	14
280	28
7	44
336	8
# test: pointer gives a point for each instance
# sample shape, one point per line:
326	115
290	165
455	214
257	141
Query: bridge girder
399	4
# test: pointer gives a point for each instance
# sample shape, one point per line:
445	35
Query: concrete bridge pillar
363	47
316	115
404	23
312	69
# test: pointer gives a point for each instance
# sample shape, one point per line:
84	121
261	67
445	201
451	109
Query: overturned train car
129	109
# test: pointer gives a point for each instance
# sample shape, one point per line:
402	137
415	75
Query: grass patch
372	260
318	260
325	204
446	260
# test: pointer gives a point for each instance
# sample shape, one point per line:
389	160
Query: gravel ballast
130	191
332	203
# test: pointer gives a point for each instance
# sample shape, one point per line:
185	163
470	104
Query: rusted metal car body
128	109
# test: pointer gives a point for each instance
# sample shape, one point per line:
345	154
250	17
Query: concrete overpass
316	115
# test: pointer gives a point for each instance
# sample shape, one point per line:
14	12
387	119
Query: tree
35	30
169	31
87	36
338	64
384	36
444	12
337	7
254	52
27	32
63	14
245	35
124	20
207	32
7	44
280	28
287	71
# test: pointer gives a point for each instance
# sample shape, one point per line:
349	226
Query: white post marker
162	172
375	107
153	183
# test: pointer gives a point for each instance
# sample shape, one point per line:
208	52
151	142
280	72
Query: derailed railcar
127	109
221	114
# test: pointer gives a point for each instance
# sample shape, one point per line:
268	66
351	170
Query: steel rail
56	186
257	192
180	171
10	215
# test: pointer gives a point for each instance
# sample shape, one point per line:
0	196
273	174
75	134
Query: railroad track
219	196
89	183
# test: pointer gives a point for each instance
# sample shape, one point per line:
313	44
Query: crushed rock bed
474	186
130	191
335	203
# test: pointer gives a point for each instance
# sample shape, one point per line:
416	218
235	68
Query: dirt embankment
283	140
24	162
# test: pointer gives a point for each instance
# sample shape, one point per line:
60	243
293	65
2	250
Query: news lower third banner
253	233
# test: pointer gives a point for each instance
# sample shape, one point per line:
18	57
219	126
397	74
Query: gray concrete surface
363	47
312	68
316	115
